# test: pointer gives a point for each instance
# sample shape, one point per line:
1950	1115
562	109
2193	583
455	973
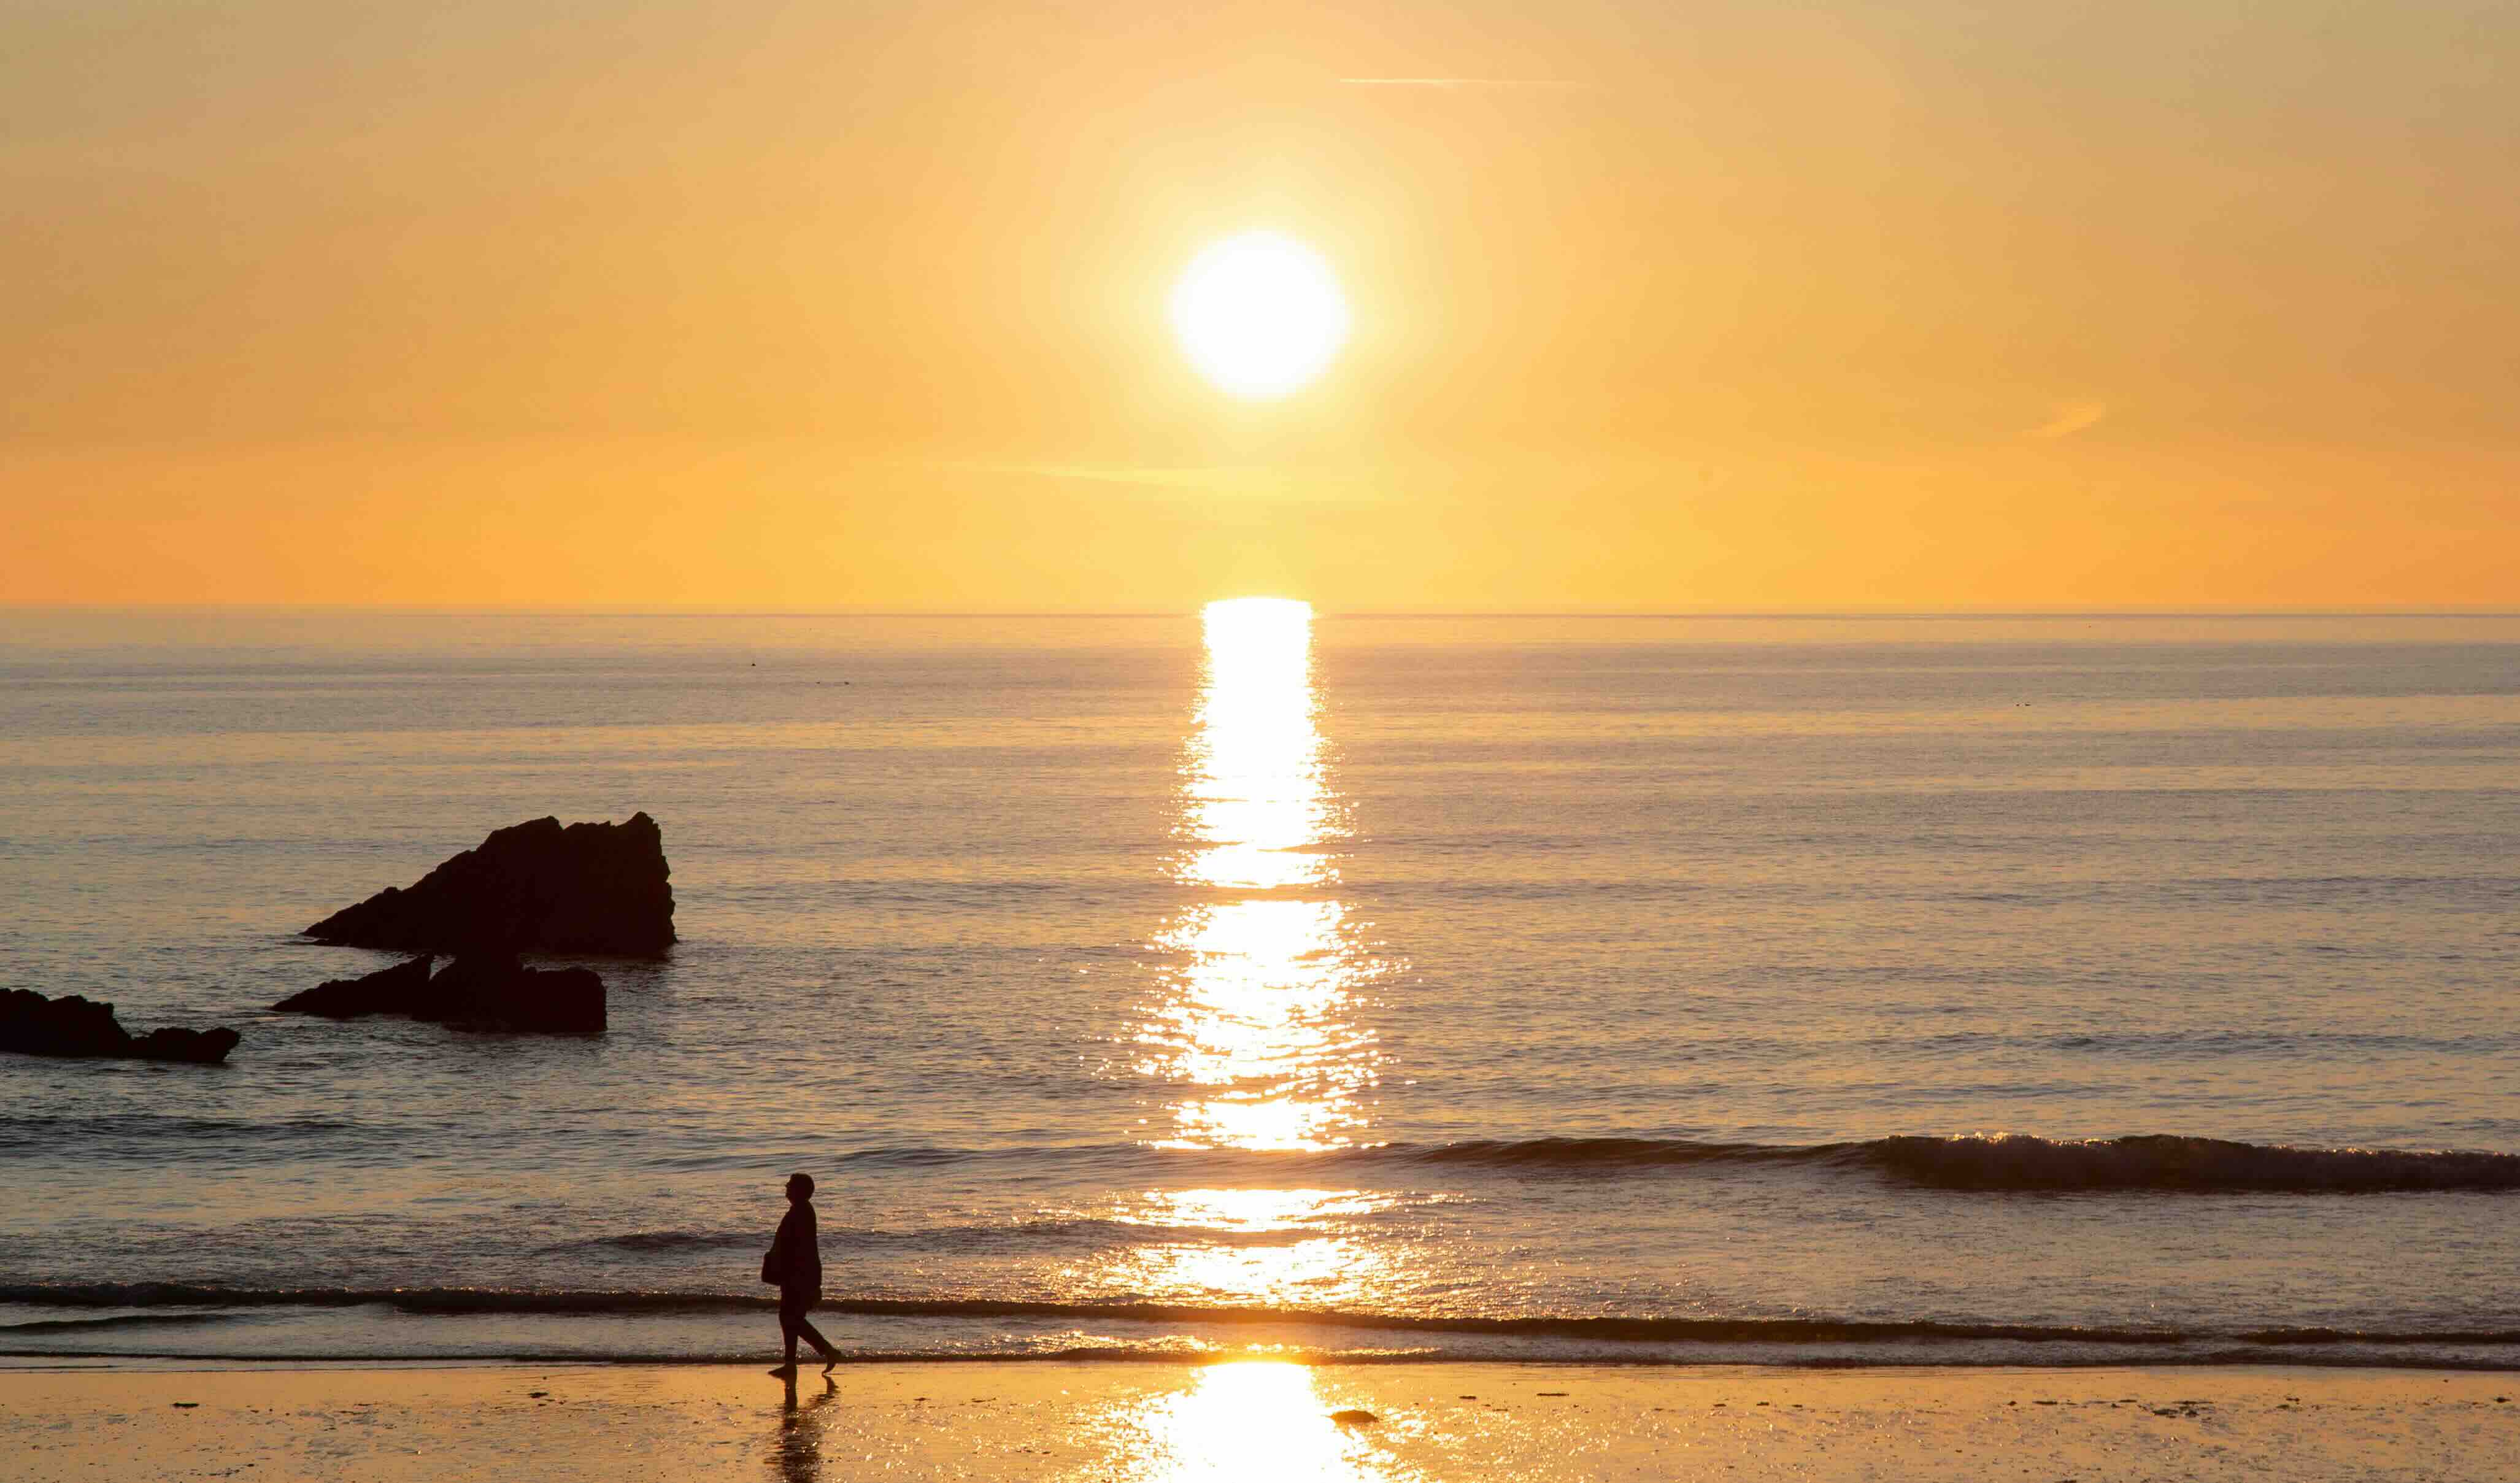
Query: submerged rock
533	888
478	991
71	1026
402	989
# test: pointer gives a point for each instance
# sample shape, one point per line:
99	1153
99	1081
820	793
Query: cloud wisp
2068	419
1448	85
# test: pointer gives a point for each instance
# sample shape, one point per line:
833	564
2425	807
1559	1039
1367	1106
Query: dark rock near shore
71	1026
491	990
200	1048
478	991
534	887
402	989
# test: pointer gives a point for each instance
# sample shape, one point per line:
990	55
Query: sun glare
1250	1419
1259	314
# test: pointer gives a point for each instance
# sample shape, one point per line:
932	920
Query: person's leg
791	1316
814	1336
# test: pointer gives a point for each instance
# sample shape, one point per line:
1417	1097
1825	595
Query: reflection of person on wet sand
801	1434
796	1264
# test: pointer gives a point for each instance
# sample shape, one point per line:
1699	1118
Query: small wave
659	1241
118	1321
1977	1163
1598	1152
2019	1161
414	1301
2168	1162
1985	1163
1527	1152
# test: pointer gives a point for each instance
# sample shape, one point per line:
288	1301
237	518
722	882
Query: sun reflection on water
1256	1210
1258	1022
1257	1014
1257	802
1273	1247
1256	1030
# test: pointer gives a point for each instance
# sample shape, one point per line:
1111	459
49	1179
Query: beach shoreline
1252	1417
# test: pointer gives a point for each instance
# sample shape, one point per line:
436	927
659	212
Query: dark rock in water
34	1026
1354	1417
402	989
478	991
71	1025
200	1048
534	887
491	991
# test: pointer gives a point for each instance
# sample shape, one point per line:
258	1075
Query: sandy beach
1258	1419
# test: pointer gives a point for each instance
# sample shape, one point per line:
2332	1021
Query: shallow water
1384	985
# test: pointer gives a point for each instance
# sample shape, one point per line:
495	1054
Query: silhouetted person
795	1263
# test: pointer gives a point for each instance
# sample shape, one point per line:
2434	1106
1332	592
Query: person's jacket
797	1251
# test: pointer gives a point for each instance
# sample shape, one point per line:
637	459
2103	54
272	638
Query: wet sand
1256	1420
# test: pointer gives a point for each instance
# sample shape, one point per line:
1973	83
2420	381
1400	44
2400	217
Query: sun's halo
1260	314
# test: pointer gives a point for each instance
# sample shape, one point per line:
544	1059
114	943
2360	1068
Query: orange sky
1658	307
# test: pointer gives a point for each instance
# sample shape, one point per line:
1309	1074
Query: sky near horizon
1727	306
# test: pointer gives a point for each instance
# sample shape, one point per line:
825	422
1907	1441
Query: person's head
800	1187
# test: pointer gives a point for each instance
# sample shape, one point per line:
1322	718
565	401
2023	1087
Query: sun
1259	314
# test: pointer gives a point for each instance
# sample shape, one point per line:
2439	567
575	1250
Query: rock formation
535	887
489	991
402	989
480	991
34	1026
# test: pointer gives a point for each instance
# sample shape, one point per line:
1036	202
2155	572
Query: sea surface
2042	990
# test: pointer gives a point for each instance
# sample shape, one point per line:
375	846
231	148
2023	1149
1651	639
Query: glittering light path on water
1255	1030
1257	1015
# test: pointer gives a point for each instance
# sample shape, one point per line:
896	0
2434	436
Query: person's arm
782	1246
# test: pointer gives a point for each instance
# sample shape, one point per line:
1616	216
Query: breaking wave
2163	1161
1991	1164
117	1320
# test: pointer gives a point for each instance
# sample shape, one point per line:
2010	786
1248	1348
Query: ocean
1825	990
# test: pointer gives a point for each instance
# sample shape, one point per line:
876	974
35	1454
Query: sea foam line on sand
426	1302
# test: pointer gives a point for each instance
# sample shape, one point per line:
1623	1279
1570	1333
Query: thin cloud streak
1190	477
1544	84
2069	418
1320	485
